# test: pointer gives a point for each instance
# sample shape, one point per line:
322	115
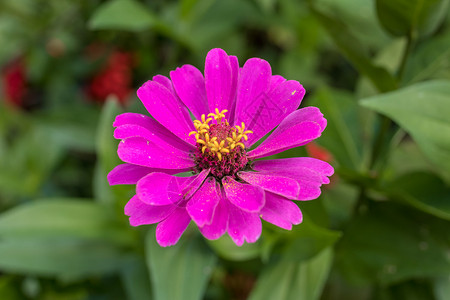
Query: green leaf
391	243
341	136
107	159
411	17
31	157
68	259
422	110
123	15
226	248
354	50
361	17
442	288
181	271
7	290
60	218
390	58
425	191
136	279
411	290
287	279
431	60
304	240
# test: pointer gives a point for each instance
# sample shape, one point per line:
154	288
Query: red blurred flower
319	152
316	151
114	79
14	83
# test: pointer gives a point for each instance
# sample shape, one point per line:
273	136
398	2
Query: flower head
14	82
230	190
113	79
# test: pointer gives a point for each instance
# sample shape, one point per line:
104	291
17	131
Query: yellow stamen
217	147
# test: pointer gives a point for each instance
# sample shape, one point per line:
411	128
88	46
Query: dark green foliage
379	70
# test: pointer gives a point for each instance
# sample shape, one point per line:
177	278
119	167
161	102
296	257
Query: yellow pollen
218	147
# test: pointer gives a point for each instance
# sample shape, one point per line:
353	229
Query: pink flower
230	189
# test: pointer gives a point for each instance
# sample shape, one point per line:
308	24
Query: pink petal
253	84
277	184
280	211
272	107
159	189
218	80
203	203
142	214
219	223
164	106
189	84
246	196
169	231
163	80
189	185
297	129
243	226
140	151
319	166
137	125
276	80
234	63
130	174
310	173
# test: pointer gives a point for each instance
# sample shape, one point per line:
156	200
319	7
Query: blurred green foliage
379	70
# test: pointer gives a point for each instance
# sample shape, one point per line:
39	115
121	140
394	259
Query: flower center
219	146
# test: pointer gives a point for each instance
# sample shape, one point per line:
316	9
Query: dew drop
390	269
423	245
424	231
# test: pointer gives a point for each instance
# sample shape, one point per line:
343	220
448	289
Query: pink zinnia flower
230	189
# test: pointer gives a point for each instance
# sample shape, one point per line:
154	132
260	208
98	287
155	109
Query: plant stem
380	140
402	67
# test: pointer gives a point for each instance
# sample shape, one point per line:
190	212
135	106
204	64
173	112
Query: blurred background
379	70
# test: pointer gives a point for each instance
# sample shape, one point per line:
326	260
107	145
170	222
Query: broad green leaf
442	288
136	279
391	243
66	258
128	15
304	240
291	279
106	148
71	135
339	201
70	125
341	135
411	290
354	51
7	290
425	191
407	157
227	249
181	271
28	161
411	17
61	218
361	17
389	58
422	110
431	60
213	22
